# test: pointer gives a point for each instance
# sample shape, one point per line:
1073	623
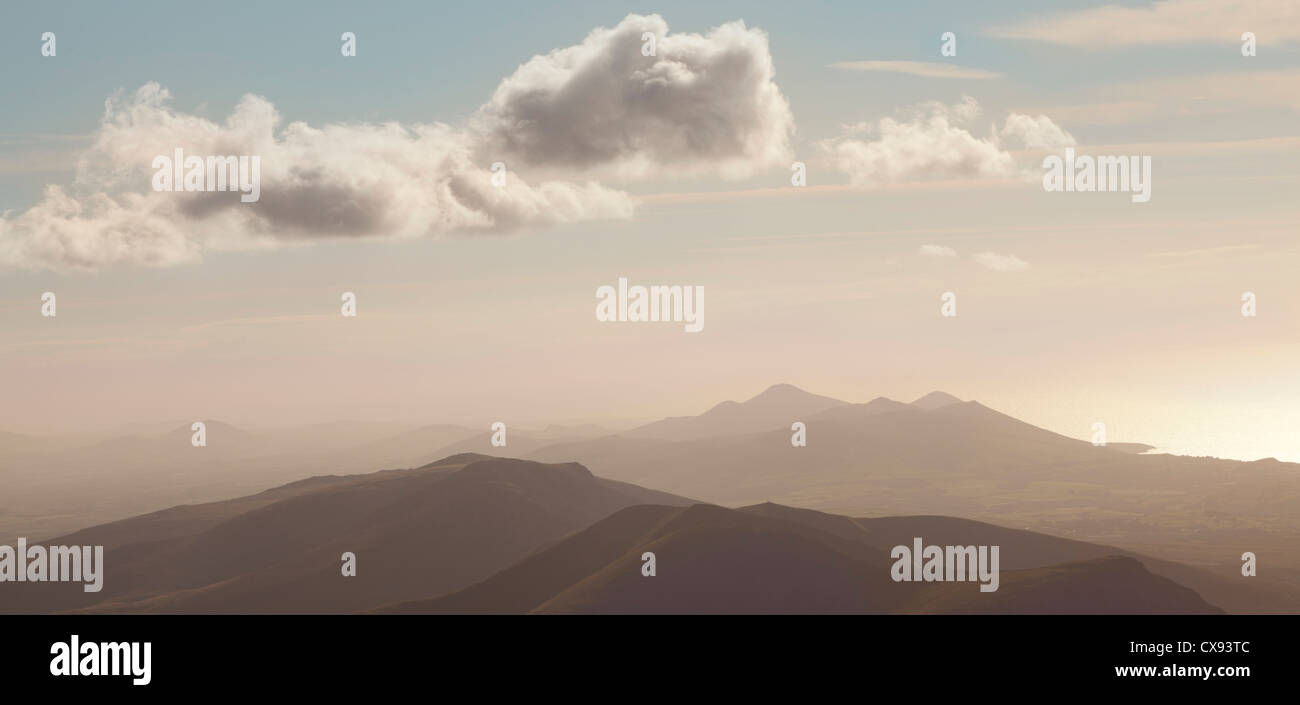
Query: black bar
605	656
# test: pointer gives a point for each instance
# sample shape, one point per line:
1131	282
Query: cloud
1000	263
703	103
917	68
1178	98
1209	253
1218	93
933	145
1037	132
1104	113
1165	22
937	251
358	180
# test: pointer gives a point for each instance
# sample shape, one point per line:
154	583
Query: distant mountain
935	400
52	485
569	431
518	444
429	530
965	459
222	438
73	484
851	449
775	408
18	444
778	560
408	448
1134	448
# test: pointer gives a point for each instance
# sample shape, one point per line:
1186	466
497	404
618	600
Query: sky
476	303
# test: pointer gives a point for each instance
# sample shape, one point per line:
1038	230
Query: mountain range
770	559
415	532
434	536
474	533
940	455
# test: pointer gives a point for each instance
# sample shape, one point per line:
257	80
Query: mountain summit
415	532
936	400
773	408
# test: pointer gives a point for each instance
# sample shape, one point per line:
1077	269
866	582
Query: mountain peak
773	408
782	390
936	400
789	394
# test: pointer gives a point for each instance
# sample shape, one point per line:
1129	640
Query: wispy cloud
1000	263
1165	22
937	251
9	139
1209	252
917	68
1216	93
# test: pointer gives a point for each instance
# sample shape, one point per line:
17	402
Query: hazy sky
477	305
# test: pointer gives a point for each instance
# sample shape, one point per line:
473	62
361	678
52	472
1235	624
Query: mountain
474	533
776	407
935	400
52	485
876	453
428	530
408	448
709	560
1028	550
1111	585
770	559
78	484
1134	448
518	444
965	459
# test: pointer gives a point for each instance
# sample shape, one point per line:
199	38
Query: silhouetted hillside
428	530
778	560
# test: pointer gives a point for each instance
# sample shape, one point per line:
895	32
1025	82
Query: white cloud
703	103
934	145
917	68
1164	22
338	180
1037	132
937	251
1000	263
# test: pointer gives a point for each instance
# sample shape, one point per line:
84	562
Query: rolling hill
964	459
427	530
770	559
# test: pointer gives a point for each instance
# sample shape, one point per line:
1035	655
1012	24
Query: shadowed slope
778	560
415	532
